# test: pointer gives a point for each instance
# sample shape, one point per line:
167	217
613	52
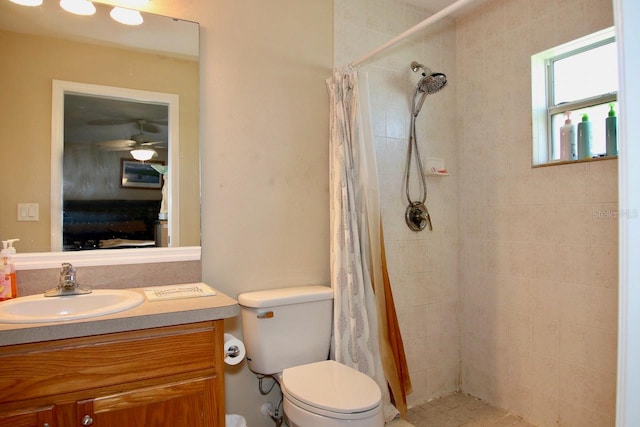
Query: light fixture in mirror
126	16
142	154
42	44
31	3
78	7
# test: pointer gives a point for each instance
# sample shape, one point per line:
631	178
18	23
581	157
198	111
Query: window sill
570	162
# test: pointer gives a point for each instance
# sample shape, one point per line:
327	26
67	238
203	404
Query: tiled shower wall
513	296
423	266
538	247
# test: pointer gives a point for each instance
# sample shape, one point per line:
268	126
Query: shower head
428	85
432	83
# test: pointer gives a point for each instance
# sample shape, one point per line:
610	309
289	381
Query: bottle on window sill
568	142
612	132
584	138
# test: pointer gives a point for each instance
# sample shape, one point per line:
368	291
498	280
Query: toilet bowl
330	394
287	335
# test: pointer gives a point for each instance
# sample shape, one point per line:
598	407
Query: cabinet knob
87	420
45	425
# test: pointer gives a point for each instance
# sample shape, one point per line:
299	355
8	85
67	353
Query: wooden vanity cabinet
170	376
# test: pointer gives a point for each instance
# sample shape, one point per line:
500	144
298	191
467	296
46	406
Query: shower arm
415	66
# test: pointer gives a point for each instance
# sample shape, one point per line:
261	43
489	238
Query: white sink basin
41	309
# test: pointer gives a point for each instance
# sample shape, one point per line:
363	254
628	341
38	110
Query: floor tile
459	409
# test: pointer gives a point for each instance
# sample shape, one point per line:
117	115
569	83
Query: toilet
287	334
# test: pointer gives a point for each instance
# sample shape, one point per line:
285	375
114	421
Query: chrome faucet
67	284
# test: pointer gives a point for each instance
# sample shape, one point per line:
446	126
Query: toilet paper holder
232	351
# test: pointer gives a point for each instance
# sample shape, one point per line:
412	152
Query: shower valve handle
425	215
417	217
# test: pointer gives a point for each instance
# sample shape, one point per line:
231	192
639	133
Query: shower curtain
366	332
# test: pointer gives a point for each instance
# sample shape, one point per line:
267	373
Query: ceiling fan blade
107	149
154	143
116	144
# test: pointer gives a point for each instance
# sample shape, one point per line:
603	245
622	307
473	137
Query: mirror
97	56
109	198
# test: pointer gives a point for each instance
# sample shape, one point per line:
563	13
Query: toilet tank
286	327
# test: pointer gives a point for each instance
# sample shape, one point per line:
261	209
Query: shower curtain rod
433	18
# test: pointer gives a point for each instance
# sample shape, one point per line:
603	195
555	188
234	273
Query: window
578	78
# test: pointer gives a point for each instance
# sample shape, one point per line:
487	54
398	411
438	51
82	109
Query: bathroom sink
41	309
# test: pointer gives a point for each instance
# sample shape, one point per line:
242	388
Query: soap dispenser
584	138
568	142
612	132
8	285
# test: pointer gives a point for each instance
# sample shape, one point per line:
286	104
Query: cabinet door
189	403
38	417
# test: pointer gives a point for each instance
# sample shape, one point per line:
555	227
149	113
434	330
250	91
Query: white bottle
568	140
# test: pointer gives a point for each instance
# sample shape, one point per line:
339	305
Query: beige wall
422	266
25	121
265	157
264	142
264	152
538	261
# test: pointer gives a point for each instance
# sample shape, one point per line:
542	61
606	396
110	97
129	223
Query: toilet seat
332	389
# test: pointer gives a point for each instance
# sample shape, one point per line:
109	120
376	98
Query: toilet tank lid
285	296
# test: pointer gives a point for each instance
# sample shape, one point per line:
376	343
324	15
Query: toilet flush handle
265	315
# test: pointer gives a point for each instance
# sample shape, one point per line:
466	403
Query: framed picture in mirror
136	174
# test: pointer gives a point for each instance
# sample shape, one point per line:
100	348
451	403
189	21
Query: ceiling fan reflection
138	141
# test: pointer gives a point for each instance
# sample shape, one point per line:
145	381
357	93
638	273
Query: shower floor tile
460	409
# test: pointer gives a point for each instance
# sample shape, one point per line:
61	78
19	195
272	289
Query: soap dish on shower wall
434	166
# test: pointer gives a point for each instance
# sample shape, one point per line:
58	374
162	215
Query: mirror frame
102	257
59	89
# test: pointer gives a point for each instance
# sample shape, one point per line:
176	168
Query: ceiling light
126	16
142	154
78	7
27	2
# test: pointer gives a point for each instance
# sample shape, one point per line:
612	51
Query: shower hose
417	214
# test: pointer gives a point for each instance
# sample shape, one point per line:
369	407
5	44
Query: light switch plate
28	211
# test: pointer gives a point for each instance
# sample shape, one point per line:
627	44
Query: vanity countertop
149	314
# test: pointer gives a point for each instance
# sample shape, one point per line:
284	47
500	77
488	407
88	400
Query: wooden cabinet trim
92	340
156	393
